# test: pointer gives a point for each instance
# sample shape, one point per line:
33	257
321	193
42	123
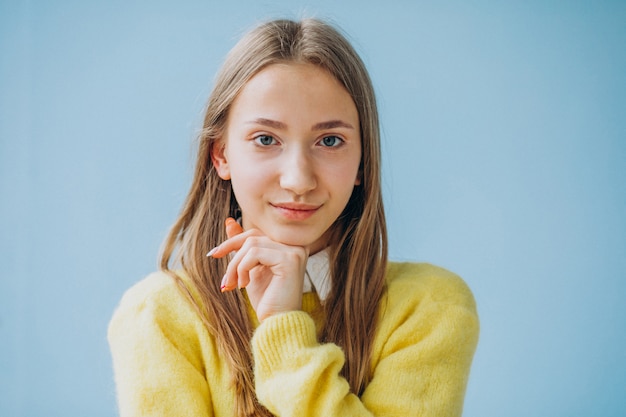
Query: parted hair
358	247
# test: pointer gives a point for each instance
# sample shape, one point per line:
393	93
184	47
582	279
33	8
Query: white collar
317	276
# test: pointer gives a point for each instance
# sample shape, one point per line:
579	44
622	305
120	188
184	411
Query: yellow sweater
167	364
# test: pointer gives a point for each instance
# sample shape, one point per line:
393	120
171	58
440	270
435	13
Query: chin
294	239
295	242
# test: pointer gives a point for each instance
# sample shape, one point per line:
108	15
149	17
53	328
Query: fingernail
212	251
223	284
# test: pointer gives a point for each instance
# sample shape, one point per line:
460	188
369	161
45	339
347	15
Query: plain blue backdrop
504	135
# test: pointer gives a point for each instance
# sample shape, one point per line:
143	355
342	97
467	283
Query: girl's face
292	149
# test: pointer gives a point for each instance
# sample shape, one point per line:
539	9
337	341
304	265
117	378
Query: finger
260	275
248	262
236	276
232	227
232	244
255	252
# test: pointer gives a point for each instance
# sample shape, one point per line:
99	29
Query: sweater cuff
281	337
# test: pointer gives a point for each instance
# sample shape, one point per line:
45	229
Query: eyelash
338	141
260	137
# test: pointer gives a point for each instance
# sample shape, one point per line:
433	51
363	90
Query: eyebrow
269	123
275	124
332	124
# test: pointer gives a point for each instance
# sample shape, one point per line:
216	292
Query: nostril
297	171
298	181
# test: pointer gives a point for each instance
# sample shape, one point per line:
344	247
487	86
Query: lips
296	211
296	206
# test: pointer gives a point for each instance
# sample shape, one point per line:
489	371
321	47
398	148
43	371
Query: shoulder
422	300
157	301
427	334
157	289
426	283
160	350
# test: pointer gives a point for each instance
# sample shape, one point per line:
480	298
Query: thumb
232	227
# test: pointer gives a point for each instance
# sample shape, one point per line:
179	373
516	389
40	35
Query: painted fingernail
212	251
223	284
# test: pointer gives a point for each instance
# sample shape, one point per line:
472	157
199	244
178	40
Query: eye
331	141
265	140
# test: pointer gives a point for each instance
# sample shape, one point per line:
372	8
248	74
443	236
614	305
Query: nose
297	172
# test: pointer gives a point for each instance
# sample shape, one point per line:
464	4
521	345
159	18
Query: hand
271	272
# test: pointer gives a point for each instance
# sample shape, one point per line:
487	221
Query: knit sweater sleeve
154	342
423	349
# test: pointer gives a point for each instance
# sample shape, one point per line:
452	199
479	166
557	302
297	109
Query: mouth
296	211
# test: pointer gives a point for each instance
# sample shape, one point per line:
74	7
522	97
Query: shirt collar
317	276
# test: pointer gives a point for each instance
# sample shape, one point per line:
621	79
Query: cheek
344	175
248	183
340	182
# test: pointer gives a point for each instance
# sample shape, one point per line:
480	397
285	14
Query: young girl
295	310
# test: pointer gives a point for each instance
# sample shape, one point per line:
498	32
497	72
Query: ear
220	162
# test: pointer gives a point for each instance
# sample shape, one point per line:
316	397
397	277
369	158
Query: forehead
296	91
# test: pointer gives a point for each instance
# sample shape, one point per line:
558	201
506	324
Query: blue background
504	130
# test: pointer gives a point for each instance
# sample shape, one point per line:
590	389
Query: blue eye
331	141
265	140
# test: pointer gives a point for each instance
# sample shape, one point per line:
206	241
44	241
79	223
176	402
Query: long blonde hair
359	248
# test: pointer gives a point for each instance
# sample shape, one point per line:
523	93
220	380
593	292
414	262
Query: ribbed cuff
279	338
